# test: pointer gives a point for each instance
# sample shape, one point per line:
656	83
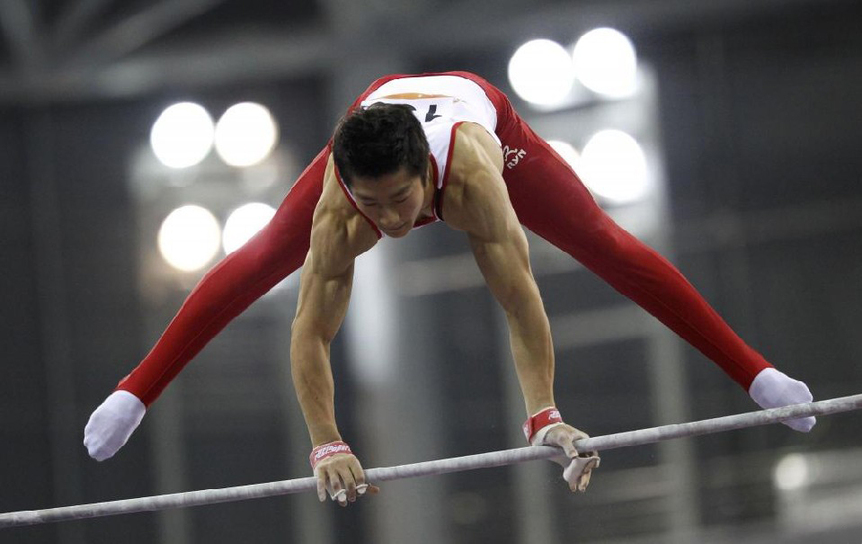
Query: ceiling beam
294	52
139	29
239	57
19	24
459	27
74	21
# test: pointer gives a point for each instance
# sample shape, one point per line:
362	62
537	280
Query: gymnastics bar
440	466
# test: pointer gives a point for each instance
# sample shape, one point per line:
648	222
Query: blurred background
141	140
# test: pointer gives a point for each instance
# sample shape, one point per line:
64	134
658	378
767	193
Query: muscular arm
483	210
323	301
504	262
338	235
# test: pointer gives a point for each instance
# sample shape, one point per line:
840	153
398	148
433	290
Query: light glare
614	167
605	61
792	472
541	72
189	238
246	134
245	222
567	152
182	135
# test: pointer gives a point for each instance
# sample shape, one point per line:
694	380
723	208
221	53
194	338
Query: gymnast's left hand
577	467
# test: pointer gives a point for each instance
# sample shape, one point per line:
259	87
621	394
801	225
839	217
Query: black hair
379	140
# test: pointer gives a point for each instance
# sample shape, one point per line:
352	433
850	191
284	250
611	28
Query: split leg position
550	200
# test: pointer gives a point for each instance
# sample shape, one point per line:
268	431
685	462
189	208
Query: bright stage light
243	223
791	472
246	134
541	72
189	238
567	152
606	63
182	135
614	167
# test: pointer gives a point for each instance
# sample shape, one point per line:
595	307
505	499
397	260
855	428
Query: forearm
533	352
315	389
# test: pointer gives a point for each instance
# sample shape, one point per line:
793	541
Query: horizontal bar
440	466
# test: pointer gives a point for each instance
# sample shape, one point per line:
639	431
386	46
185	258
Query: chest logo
512	156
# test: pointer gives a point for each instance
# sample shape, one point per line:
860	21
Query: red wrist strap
323	451
544	418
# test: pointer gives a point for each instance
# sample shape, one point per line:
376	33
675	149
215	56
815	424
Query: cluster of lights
604	60
184	134
543	72
792	472
612	165
190	236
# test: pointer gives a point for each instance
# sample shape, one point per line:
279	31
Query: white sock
772	389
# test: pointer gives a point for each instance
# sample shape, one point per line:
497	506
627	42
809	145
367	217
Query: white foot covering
772	389
112	424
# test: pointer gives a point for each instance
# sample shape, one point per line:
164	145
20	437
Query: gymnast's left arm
500	248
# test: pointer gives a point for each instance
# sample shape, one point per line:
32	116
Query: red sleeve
232	285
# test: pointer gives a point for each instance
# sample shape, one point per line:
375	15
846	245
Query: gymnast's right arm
324	294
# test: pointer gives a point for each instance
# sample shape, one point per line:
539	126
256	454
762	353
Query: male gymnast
413	150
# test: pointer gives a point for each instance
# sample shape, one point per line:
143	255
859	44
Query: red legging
549	199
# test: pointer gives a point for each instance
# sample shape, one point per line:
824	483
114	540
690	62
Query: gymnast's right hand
112	423
339	473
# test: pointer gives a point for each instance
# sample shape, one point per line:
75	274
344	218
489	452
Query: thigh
546	193
282	245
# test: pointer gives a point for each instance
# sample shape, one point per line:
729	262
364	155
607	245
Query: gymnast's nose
388	218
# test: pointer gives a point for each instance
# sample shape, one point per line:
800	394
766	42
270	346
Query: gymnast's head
382	155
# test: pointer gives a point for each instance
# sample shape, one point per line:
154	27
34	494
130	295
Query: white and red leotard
545	192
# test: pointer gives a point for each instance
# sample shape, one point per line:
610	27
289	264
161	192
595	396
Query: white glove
577	467
772	389
546	428
112	423
580	468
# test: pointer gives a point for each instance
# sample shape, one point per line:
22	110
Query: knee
600	235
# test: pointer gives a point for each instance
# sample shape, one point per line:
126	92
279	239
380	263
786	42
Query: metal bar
440	466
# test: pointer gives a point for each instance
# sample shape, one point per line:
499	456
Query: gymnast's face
393	201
